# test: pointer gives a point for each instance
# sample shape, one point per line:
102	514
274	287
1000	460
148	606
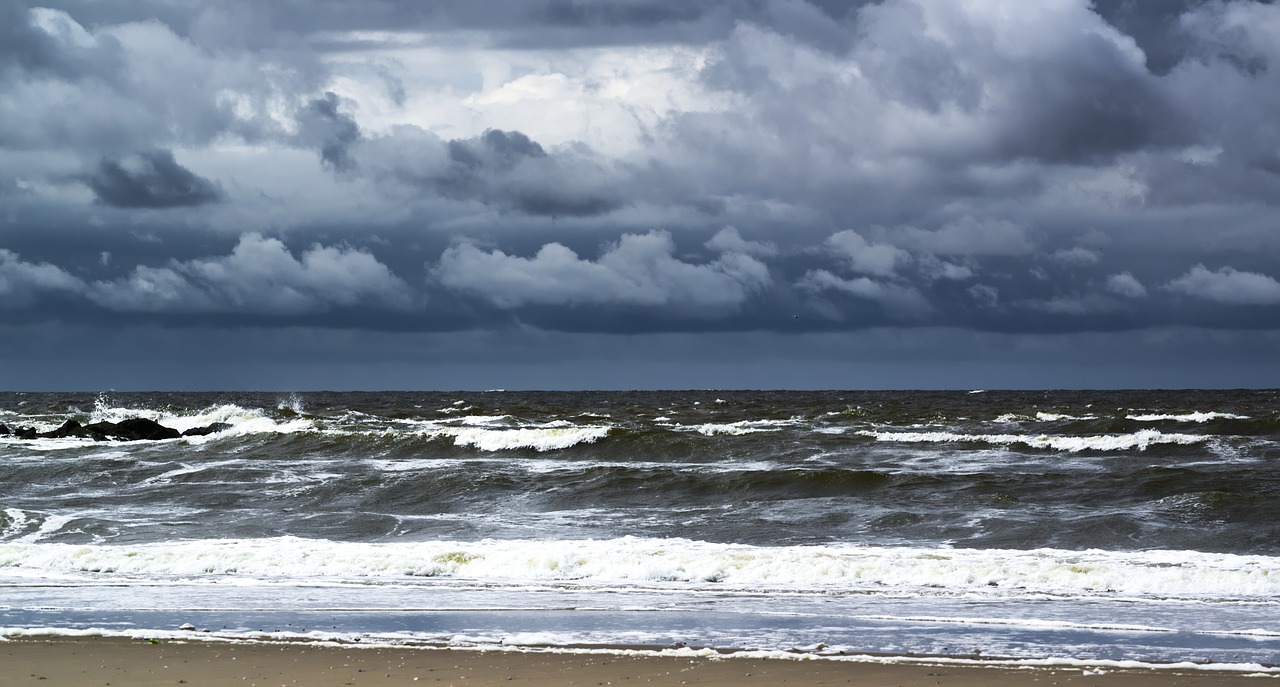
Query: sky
633	194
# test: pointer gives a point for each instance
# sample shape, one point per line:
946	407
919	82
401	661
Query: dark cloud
103	90
577	13
44	42
333	132
150	179
21	44
505	169
1093	107
1153	25
512	170
497	150
1035	172
523	24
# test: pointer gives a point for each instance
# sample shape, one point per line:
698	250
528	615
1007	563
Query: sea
1034	527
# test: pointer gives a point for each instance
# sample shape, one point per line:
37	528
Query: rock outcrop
206	430
70	428
135	429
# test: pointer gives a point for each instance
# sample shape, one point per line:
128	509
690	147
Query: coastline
84	661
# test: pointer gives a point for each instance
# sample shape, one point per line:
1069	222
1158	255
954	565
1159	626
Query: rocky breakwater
136	429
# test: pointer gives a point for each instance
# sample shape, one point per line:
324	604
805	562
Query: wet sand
77	662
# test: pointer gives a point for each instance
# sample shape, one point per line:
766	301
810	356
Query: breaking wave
658	562
1140	440
536	438
1199	417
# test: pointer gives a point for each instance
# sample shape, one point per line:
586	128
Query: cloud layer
635	167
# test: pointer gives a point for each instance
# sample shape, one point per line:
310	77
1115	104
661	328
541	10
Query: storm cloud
1094	171
150	180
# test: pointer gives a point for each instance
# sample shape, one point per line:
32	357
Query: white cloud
152	289
148	87
640	269
259	276
878	259
1076	256
1200	155
458	84
1126	285
59	26
901	301
933	268
728	240
986	295
20	281
969	236
1227	285
1113	186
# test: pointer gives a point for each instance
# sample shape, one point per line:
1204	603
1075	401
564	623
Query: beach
81	662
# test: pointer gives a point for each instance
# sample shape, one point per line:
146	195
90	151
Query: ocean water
1065	526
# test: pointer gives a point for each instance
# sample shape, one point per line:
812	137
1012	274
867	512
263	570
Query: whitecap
682	563
741	427
482	419
1042	417
1198	417
536	438
1140	440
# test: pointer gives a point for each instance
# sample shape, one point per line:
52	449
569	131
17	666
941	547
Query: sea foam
1199	417
1140	440
739	428
536	438
684	564
241	420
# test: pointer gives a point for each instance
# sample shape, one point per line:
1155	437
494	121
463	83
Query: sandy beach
80	662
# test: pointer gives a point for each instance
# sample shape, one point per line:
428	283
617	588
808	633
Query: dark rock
105	428
140	428
71	428
137	429
206	430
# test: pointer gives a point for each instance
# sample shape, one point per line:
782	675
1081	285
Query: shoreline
209	662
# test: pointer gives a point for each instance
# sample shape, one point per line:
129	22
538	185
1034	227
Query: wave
672	563
739	428
1200	417
241	420
237	420
1042	417
483	420
536	438
485	433
13	521
1140	440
